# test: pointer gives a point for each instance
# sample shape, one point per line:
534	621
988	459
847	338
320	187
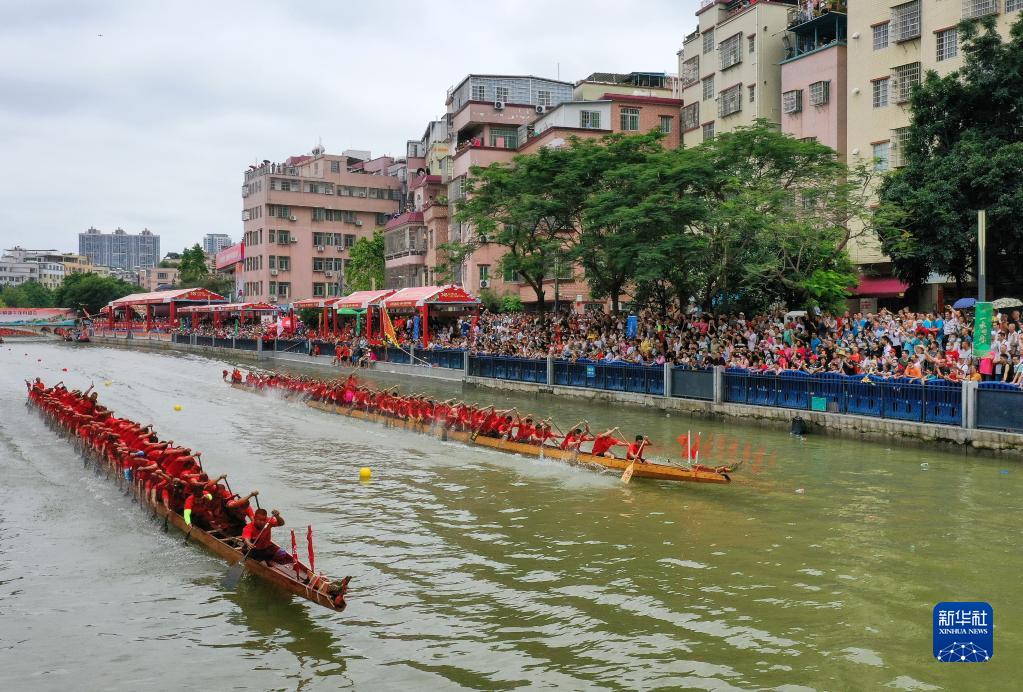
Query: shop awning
228	307
315	303
173	296
360	300
430	295
881	287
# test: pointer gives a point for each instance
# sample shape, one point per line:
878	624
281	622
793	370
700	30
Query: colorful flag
388	327
312	557
294	552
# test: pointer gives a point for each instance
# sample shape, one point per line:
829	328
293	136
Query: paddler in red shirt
635	451
604	442
256	535
576	436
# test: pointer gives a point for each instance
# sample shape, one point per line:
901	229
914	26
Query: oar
235	571
627	474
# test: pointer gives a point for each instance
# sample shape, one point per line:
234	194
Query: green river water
477	569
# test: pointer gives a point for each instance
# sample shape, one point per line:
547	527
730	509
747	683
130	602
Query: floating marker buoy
365	473
800	491
177	407
107	383
924	466
39	360
64	369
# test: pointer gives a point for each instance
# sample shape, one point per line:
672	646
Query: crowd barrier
508	368
452	358
615	377
999	407
687	383
936	401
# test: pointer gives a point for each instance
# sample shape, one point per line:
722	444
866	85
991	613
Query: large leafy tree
964	153
90	292
30	294
366	266
192	271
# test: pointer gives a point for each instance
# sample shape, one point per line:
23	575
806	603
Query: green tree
964	152
366	267
30	294
192	271
90	292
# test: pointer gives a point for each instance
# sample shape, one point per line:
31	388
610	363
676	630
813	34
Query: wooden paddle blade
234	575
627	474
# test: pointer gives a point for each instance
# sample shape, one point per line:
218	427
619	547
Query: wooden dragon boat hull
650	469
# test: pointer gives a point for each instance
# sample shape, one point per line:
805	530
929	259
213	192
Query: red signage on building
230	256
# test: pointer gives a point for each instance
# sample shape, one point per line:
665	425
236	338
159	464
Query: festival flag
312	556
294	552
690	448
388	327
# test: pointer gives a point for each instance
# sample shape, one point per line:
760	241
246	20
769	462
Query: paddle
235	571
627	474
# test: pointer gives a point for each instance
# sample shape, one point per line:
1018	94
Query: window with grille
708	41
948	43
666	121
691	117
899	144
731	101
502	94
335	166
751	43
691	71
905	23
880	88
708	88
881	156
589	120
751	93
629	119
504	137
880	36
730	51
479	92
904	78
792	101
979	8
708	131
820	93
1013	5
543	98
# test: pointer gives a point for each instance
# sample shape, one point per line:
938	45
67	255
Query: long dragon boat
650	469
295	577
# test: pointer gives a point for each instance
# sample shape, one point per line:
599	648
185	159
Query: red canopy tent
153	302
323	304
364	300
425	300
218	310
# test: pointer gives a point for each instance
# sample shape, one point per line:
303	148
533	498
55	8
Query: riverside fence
984	405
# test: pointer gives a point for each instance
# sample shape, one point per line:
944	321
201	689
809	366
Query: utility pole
981	252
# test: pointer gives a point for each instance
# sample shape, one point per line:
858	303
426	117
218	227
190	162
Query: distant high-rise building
215	242
120	250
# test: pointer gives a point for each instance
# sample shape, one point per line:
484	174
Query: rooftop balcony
811	32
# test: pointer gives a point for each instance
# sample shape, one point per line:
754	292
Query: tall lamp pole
981	252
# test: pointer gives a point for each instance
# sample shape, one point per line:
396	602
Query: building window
504	137
349	239
502	94
708	41
899	144
880	88
708	131
479	92
708	88
335	166
382	219
319	214
792	101
691	70
484	273
730	51
319	290
543	98
691	117
881	151
731	100
880	36
948	43
629	119
979	8
1013	5
751	93
808	140
905	21
589	120
751	44
904	78
666	121
820	93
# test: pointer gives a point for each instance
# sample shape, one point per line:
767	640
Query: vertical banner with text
982	330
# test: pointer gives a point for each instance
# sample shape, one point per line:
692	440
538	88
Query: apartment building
157	278
301	217
76	264
891	46
213	243
411	240
730	66
485	114
813	77
120	249
660	84
20	265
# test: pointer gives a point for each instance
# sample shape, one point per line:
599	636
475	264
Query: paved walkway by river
483	570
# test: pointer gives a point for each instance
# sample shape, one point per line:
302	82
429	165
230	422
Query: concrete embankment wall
844	425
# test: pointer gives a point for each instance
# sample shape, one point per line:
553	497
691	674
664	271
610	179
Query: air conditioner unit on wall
328	274
273	272
294	240
484	283
499	105
358	222
319	248
272	298
292	218
541	109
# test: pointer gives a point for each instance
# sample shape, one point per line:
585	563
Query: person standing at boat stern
257	535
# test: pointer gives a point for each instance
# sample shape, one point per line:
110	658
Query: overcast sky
145	114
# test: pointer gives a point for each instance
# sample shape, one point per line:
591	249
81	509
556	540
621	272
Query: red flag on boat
689	448
294	552
312	557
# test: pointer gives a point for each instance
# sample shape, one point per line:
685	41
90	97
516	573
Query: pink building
813	79
411	240
301	217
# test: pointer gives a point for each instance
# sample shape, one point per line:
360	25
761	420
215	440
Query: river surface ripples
476	569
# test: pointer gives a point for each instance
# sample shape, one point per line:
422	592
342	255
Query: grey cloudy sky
153	123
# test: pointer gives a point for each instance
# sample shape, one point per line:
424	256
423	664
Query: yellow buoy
107	383
365	473
177	407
